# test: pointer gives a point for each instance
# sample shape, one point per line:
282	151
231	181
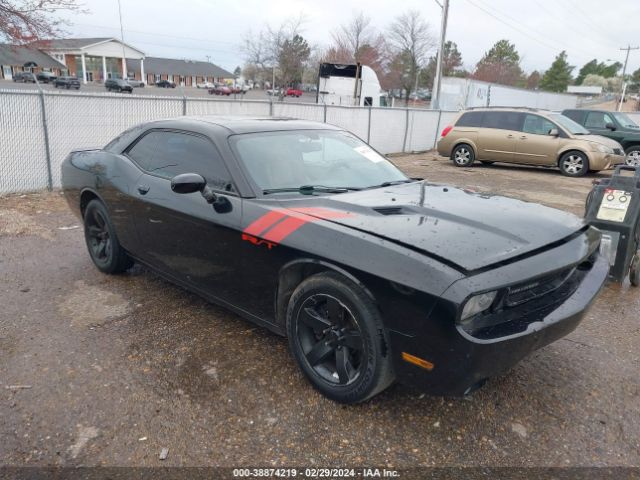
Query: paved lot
115	368
151	90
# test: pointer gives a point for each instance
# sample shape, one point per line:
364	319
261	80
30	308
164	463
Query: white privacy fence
39	129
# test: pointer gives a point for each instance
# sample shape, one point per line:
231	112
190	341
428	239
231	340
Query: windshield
624	120
296	158
568	124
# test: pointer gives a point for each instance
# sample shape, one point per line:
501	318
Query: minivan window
537	125
470	119
503	120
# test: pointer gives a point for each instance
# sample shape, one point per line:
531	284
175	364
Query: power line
486	10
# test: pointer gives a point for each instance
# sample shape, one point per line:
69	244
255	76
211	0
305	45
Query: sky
540	29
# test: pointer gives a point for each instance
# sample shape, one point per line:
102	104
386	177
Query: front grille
527	291
617	151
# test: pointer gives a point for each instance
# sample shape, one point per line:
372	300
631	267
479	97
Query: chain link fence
38	129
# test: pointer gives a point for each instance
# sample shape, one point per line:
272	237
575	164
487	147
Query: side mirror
188	183
554	132
610	126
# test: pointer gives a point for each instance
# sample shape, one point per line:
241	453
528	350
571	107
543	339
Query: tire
100	236
632	156
68	87
487	162
331	321
463	155
574	164
634	271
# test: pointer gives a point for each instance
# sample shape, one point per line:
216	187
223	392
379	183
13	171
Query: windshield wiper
393	182
309	189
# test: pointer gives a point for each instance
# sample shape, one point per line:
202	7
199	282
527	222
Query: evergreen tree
558	77
501	64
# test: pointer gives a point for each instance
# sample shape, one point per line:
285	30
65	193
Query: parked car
527	136
274	91
165	84
220	90
135	83
24	77
237	90
205	84
304	229
614	125
118	85
67	82
294	92
46	77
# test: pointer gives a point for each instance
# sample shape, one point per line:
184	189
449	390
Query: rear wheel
634	271
574	164
337	338
102	242
463	155
632	156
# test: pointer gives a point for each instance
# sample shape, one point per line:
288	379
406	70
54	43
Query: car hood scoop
467	229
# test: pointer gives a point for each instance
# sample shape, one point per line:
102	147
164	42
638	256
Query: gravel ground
109	370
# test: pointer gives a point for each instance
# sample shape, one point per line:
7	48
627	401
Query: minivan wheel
632	156
574	164
337	338
463	156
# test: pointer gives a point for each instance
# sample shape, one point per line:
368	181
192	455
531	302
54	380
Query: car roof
240	125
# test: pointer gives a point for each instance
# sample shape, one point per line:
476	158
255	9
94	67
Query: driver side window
169	153
597	120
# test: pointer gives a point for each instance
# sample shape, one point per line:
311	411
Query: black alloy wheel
331	339
337	338
102	242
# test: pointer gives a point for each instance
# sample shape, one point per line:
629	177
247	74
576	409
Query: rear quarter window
470	119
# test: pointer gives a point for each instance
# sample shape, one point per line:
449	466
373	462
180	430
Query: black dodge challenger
303	228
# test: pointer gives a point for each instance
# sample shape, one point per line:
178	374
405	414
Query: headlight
477	304
603	148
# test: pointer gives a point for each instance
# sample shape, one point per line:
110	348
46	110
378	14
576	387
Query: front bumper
604	161
463	362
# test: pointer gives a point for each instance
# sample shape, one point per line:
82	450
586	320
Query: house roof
175	66
69	43
19	55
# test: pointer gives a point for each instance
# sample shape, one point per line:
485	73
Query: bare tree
355	35
25	21
411	38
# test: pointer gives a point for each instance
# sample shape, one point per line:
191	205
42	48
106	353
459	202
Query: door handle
509	136
143	189
523	137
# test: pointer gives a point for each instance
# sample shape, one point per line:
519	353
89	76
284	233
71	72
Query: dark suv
67	82
46	77
24	77
615	125
118	84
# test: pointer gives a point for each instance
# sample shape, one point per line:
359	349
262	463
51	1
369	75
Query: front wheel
102	242
337	338
634	271
574	164
632	156
463	155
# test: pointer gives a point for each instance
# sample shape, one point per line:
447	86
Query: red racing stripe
264	222
285	228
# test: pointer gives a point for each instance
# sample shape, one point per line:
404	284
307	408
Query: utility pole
124	57
435	94
624	71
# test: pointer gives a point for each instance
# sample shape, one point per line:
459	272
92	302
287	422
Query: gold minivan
527	136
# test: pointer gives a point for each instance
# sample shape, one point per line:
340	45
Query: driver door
181	234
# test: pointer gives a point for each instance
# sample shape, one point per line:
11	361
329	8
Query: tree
533	80
237	72
26	21
292	57
354	36
451	64
594	67
558	77
593	80
411	40
501	64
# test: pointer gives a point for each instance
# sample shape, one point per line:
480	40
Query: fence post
47	147
325	113
184	104
369	127
271	107
489	95
406	131
435	140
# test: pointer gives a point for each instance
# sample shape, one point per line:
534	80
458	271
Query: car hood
599	139
465	229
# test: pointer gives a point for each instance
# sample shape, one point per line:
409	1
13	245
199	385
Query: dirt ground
109	370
